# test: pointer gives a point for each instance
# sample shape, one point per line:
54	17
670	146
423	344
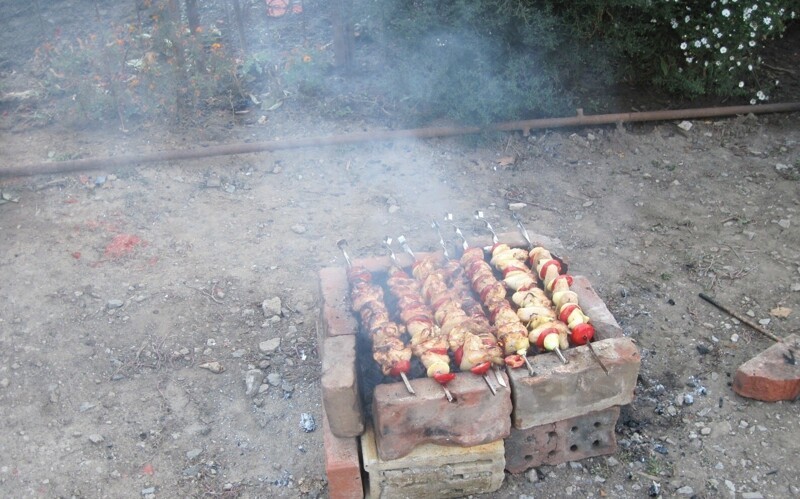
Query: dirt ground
122	289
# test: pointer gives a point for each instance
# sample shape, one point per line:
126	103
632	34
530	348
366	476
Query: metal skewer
342	244
404	244
387	243
527	238
496	370
531	371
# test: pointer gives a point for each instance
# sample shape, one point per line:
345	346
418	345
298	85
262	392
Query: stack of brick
567	412
421	445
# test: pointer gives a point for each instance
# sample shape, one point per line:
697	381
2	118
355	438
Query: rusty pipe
525	126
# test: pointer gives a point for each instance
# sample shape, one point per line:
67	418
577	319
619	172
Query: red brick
403	421
342	464
768	376
572	439
562	391
340	386
593	306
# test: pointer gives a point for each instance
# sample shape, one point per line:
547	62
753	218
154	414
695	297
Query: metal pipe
525	126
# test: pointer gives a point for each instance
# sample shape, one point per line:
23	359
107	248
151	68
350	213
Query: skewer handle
597	358
741	318
447	393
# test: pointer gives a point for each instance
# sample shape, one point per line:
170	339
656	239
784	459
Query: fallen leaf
507	160
782	312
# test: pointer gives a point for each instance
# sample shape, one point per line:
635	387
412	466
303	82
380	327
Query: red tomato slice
481	369
514	361
547	264
458	355
546	332
566	311
402	366
443	379
582	334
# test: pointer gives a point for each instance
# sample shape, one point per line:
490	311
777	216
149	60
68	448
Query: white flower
761	95
740	47
689	59
749	67
722	50
697	43
752	43
726	13
741	84
684	46
767	20
752	101
673	23
686	19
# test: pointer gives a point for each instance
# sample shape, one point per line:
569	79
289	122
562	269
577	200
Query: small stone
393	209
517	206
784	223
795	286
215	367
752	495
685	490
734	337
272	306
764	322
574	465
688	399
705	431
269	346
112	304
252	381
213	182
193	453
532	476
286	387
612	461
96	438
238	354
299	229
148	491
685	125
588	204
85	406
307	423
274	379
5	382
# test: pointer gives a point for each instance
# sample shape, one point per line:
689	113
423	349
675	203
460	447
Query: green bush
480	61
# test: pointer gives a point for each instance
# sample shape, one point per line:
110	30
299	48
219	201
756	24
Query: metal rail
113	162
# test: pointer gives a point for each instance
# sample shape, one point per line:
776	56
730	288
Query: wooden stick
741	318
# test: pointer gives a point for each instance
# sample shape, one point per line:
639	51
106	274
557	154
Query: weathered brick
403	421
342	464
770	376
434	470
571	439
340	386
562	391
605	325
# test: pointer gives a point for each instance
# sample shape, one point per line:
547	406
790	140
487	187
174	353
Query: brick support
342	464
434	470
593	306
340	386
572	439
563	391
403	421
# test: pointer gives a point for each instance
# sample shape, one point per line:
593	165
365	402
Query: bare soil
119	286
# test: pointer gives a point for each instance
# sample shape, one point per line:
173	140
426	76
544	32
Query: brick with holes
572	439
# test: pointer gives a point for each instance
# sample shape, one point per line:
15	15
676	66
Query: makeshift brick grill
408	440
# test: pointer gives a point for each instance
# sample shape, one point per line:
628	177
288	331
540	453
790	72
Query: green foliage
479	61
155	71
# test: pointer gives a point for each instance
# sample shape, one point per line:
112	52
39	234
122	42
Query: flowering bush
720	40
